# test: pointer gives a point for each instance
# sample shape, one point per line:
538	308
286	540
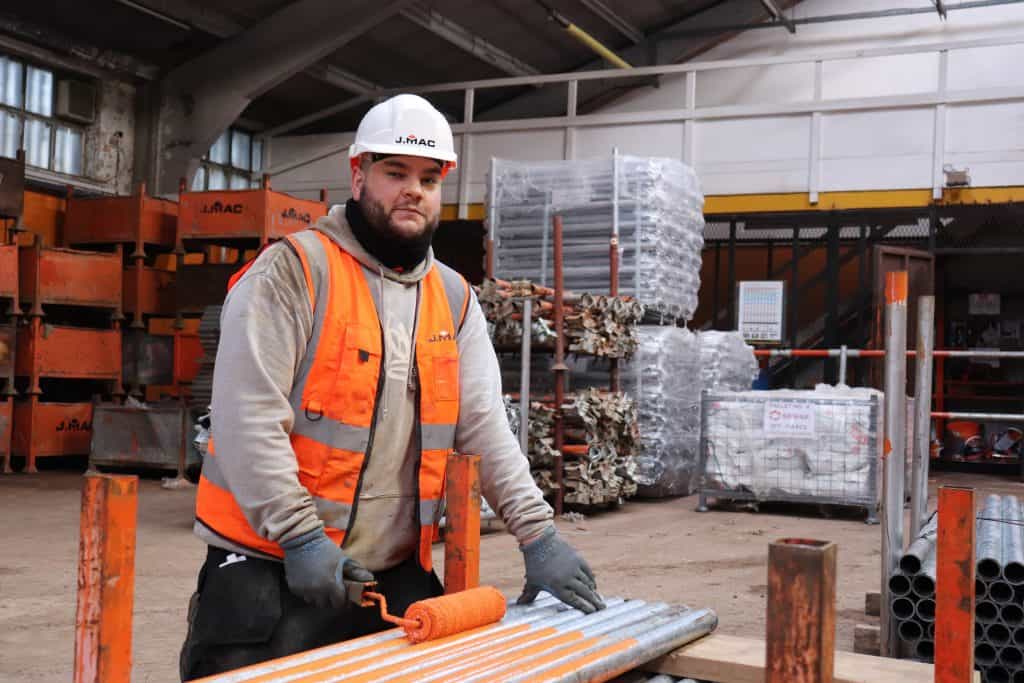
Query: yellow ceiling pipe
590	41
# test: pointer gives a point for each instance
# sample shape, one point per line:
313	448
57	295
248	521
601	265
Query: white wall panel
880	76
670	94
653	140
985	67
753	155
877	150
772	84
988	140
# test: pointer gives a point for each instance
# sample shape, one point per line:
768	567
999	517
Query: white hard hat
405	124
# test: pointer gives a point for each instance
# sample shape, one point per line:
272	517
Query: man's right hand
316	569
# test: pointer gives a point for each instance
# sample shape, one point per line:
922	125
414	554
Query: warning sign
789	418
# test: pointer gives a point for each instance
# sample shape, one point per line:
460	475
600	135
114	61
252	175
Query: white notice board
760	312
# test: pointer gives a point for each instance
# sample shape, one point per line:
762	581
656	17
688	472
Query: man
350	364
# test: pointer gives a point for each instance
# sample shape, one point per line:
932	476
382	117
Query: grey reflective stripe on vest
457	290
313	426
333	513
428	511
211	470
437	436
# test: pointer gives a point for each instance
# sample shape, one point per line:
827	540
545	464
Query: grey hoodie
265	325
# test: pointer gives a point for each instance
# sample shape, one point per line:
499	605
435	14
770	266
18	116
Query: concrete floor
652	550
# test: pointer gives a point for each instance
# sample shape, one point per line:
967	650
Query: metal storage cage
831	459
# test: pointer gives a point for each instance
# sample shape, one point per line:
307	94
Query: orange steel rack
51	276
8	324
139	220
260	215
52	282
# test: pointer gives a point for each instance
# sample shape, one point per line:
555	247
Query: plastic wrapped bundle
665	380
726	361
655	204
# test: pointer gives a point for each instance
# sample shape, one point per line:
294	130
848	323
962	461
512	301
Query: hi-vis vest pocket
360	367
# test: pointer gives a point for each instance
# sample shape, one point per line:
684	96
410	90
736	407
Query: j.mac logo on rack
219	207
413	140
292	214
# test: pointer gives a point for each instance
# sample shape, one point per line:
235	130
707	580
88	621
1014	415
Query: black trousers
243	613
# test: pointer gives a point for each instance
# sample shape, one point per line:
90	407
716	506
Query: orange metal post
954	586
801	624
106	579
462	535
559	366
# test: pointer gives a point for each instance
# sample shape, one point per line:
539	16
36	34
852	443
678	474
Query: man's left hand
554	566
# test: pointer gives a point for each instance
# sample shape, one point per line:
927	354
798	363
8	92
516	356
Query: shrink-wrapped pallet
653	204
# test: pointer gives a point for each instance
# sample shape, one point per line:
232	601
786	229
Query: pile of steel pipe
596	325
545	639
998	591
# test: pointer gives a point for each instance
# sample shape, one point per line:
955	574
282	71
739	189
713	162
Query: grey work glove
553	566
316	570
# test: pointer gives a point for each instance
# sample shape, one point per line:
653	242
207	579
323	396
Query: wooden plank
866	639
872	603
731	659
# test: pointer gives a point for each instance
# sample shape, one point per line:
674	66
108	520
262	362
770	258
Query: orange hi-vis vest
337	389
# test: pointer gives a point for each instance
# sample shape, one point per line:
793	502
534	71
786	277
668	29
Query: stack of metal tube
652	207
998	591
543	641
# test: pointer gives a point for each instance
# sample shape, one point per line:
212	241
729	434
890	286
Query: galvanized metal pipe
910	630
921	451
1011	615
895	434
997	634
647	645
985	654
1013	542
988	551
925	649
925	610
903	608
899	585
843	355
1000	592
997	674
986	612
921	547
1011	658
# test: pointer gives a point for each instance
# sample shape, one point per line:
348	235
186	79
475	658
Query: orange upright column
462	535
106	579
801	624
954	587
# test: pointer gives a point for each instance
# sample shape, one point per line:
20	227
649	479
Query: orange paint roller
446	615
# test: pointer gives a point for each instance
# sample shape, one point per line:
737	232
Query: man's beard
372	226
379	219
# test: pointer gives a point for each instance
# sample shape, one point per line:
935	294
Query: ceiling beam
466	40
778	16
220	26
610	17
51	47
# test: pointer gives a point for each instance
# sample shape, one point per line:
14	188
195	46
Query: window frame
254	175
54	122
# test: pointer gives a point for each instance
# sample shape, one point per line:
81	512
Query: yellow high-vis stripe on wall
827	201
